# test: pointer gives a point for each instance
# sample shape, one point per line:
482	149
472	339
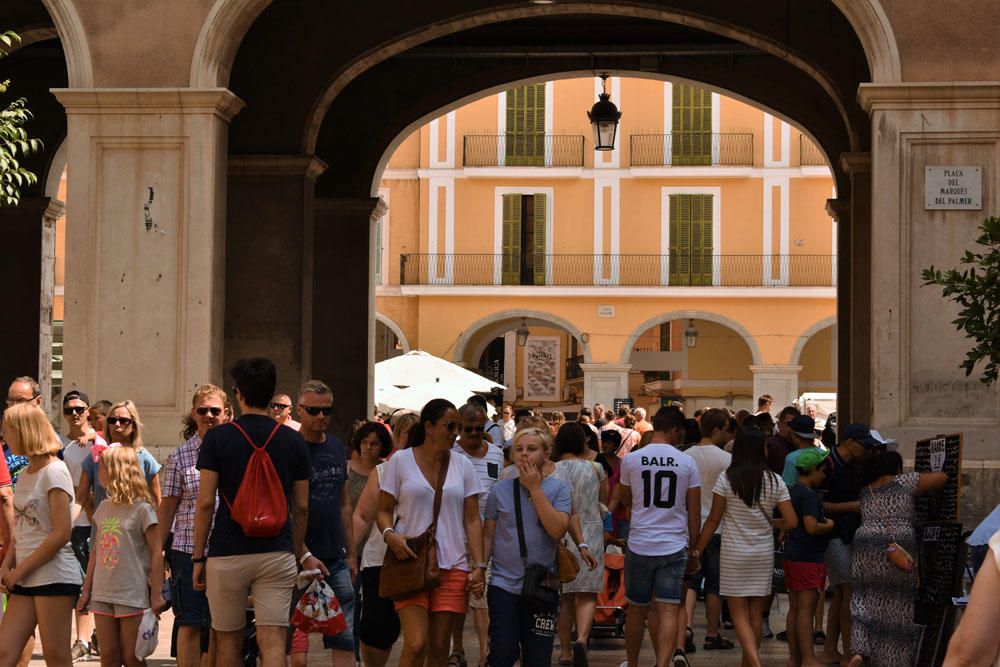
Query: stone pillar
27	272
858	291
603	383
343	304
145	264
840	210
270	207
918	389
778	380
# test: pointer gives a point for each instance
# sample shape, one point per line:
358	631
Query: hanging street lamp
522	333
691	335
604	117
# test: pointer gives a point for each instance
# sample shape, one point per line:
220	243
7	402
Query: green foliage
977	290
14	141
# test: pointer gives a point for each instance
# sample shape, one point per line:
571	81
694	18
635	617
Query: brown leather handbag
566	564
402	579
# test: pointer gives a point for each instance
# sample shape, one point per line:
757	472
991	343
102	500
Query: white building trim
383	193
498	194
786	140
800	344
668	121
623	172
433	242
395	328
501	124
665	194
770	182
614	292
683	315
434	130
602	183
716	127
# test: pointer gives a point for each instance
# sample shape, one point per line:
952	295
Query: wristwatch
479	566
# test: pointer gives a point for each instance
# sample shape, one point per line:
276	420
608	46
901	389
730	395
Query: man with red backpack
261	470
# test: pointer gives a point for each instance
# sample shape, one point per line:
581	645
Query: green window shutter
511	240
691	139
378	251
539	239
525	140
691	239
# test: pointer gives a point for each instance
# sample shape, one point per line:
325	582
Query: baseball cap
810	458
860	433
76	396
803	426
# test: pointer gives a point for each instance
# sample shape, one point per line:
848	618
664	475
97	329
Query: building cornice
309	166
615	292
220	102
563	173
930	95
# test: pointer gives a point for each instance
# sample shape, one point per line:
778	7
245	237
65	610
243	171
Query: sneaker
717	643
79	651
689	646
679	660
95	650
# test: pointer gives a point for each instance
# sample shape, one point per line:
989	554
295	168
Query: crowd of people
521	512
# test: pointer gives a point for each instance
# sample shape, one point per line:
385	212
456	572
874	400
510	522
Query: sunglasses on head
315	410
124	421
204	410
473	429
280	406
74	410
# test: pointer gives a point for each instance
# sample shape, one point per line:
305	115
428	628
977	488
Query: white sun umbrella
419	367
415	397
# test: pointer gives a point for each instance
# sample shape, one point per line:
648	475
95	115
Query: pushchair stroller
609	617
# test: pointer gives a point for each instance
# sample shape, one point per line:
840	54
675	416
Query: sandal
689	646
717	643
457	660
819	638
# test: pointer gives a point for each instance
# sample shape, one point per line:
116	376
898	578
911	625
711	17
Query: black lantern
604	117
522	333
691	334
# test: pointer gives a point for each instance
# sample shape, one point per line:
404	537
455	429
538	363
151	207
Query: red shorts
449	596
801	576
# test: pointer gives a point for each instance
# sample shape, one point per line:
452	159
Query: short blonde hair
30	430
126	483
532	422
542	434
135	440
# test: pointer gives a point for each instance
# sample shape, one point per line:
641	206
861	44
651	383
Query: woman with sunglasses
124	428
408	483
181	481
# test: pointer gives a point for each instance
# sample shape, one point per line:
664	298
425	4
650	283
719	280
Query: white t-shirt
712	461
33	524
659	476
488	468
414	495
74	455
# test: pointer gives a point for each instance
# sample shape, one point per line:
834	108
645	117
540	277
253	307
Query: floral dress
585	479
883	631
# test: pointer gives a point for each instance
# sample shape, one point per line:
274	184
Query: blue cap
803	426
861	434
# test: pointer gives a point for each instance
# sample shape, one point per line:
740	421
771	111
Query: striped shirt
747	529
487	468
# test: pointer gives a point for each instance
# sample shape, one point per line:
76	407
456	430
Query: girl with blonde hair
39	573
129	560
124	428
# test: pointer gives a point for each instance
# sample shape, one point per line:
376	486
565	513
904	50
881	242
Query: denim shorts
190	606
659	577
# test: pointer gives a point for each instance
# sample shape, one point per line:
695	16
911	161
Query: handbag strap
442	473
520	520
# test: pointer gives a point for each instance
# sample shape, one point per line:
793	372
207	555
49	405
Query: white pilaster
603	383
778	380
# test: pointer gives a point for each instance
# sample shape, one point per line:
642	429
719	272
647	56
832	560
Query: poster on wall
541	368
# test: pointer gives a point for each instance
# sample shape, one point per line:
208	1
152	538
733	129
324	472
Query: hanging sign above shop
953	188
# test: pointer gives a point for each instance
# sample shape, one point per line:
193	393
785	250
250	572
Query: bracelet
198	560
388	530
302	560
582	545
479	566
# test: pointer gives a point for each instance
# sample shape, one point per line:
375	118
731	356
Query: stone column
145	263
27	272
270	207
918	389
603	383
343	304
840	209
778	380
858	291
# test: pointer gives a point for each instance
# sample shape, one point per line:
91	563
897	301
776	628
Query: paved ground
606	652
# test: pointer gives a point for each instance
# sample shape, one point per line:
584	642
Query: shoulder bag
540	589
402	579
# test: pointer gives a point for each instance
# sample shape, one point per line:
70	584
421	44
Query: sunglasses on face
76	410
315	410
204	410
280	406
473	429
451	426
124	421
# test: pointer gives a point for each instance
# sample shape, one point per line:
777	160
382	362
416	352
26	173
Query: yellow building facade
709	215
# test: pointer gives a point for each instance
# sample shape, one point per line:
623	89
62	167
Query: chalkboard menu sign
619	402
940	454
940	558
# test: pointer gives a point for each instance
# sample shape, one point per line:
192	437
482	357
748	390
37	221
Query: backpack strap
520	522
248	439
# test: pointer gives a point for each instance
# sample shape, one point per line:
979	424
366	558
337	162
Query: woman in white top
744	499
39	573
408	482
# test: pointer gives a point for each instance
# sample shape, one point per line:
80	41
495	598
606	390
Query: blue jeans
661	577
340	581
517	632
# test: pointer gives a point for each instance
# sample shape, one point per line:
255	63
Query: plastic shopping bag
149	632
319	611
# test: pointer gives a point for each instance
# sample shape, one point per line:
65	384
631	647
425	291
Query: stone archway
74	42
395	329
501	321
688	315
800	344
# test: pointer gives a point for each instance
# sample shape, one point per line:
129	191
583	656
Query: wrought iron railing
689	149
809	154
523	150
676	269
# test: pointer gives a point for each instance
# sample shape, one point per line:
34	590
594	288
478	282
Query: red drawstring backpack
260	507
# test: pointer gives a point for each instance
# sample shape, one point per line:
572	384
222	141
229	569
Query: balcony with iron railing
570	270
809	154
523	150
691	149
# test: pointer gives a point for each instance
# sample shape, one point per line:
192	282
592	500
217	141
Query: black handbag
541	587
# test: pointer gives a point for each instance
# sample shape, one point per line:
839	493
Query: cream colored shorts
268	577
